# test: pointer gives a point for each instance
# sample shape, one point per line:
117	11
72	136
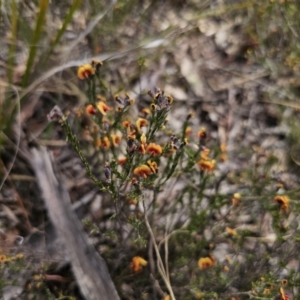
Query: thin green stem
75	143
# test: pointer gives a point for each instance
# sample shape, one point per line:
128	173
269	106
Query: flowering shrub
173	223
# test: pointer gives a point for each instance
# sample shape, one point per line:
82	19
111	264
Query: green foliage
36	36
274	27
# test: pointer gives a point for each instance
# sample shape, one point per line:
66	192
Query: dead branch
88	266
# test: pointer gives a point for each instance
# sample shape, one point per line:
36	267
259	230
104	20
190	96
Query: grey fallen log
89	267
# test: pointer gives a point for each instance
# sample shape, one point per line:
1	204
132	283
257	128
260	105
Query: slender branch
160	265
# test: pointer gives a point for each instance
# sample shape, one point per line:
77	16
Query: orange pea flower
236	199
143	144
137	263
206	262
146	111
231	231
3	258
132	201
141	123
102	107
142	148
19	256
90	110
126	124
207	165
97	143
154	149
85	71
204	153
142	171
202	133
225	268
283	201
122	160
170	99
283	295
153	107
105	143
153	166
116	139
188	130
223	147
143	138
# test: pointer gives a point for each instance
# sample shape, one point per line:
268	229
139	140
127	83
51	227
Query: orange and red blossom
154	149
236	199
231	231
122	160
206	262
153	166
143	171
85	71
132	201
283	295
207	165
143	139
105	143
116	139
141	123
188	130
131	130
146	111
126	124
204	153
102	107
170	99
137	263
3	258
143	144
153	107
142	148
202	133
90	110
97	143
283	201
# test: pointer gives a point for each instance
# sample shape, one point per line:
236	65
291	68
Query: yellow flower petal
137	263
206	262
102	107
85	71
